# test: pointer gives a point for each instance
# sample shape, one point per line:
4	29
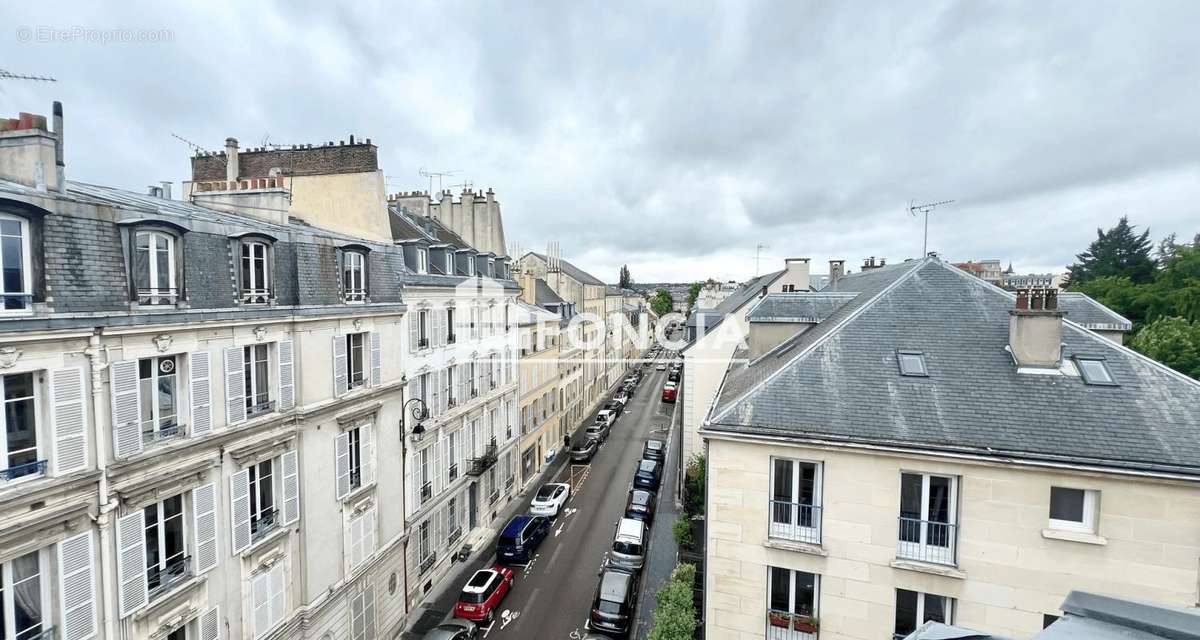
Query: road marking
507	617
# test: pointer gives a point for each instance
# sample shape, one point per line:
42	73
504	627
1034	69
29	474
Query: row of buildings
273	408
913	443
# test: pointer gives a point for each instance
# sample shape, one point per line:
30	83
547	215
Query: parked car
597	432
654	450
584	451
454	630
634	380
662	366
607	416
483	593
669	392
615	406
648	475
640	505
622	397
673	376
520	538
616	598
629	545
550	499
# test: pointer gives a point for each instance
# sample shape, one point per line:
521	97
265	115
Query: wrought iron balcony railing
484	461
782	625
795	521
927	541
37	467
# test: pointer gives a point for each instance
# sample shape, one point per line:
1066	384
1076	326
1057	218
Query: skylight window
1094	371
912	363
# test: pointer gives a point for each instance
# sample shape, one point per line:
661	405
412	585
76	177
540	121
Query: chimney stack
231	160
1035	329
837	269
58	148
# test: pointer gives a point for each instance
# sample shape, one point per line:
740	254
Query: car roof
614	585
515	525
655	444
647	464
477	583
630	528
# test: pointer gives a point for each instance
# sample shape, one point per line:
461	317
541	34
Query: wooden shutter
77	587
356	540
68	414
204	526
133	592
444	385
291	486
260	602
440	315
126	405
200	386
210	624
339	365
239	510
366	435
376	359
287	375
440	481
369	533
414	330
235	386
278	600
341	448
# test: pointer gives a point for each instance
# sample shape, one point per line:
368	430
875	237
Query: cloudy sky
673	137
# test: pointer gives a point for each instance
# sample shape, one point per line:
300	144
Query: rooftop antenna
914	209
758	255
8	75
436	174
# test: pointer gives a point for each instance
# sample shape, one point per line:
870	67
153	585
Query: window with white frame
268	599
354	276
422	260
423	328
425	474
154	263
264	510
471	266
158	382
256	365
451	390
356	360
1073	509
796	500
914	609
20	452
424	546
454	531
166	552
452	456
792	599
24	600
362	613
256	272
450	325
16	273
928	512
362	537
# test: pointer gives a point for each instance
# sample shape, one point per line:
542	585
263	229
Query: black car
648	475
616	598
640	505
583	451
614	406
673	376
654	450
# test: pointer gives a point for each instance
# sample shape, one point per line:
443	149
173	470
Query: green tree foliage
662	302
682	530
693	486
675	615
1172	341
1120	252
693	293
626	280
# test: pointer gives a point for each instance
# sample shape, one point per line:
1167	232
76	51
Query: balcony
427	564
162	579
485	461
426	492
256	296
157	295
926	541
354	295
450	338
453	472
782	625
260	408
265	523
495	495
454	535
15	301
795	521
35	468
422	343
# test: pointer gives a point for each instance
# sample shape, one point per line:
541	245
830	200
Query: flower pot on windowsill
783	620
805	624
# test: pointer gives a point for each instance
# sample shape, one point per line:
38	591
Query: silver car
454	630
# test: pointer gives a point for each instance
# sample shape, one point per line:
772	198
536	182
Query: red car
483	594
668	393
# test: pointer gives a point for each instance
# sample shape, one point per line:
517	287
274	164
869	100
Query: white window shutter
442	332
440	474
260	602
278	593
239	509
369	532
366	434
444	386
200	385
127	433
210	624
376	359
369	606
339	365
133	592
69	417
77	587
287	375
290	462
235	387
341	448
414	331
204	526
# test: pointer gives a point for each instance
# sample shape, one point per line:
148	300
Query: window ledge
926	567
798	547
167	596
356	493
280	531
1074	536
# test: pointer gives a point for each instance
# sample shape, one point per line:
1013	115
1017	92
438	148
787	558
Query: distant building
988	270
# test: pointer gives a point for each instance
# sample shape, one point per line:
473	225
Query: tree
693	293
1172	341
1168	249
626	280
662	302
675	615
1117	252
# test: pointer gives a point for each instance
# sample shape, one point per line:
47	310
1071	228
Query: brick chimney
837	269
30	153
1035	329
871	263
231	159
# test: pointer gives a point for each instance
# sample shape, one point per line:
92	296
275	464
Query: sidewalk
663	553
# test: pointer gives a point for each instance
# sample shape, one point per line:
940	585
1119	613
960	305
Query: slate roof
1085	311
409	226
740	296
1091	616
840	381
543	294
571	270
529	314
811	307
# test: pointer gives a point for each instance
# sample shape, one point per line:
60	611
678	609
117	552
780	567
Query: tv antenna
193	145
757	255
440	175
914	209
8	75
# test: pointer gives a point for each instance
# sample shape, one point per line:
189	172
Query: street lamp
419	412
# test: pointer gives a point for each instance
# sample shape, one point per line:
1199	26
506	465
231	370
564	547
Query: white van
629	545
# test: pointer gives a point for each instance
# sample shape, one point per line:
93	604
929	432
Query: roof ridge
1103	307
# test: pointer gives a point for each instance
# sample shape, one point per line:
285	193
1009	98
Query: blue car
520	539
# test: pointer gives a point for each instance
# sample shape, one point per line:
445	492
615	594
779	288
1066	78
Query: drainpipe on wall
104	518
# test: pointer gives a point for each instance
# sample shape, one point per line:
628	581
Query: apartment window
450	325
423	328
154	261
452	456
426	486
928	505
354	276
354	437
451	392
914	609
449	263
362	537
356	372
23	598
912	363
424	547
19	442
264	515
158	380
452	520
422	261
256	283
166	559
257	379
792	604
362	614
1073	509
16	283
796	500
1094	371
268	599
471	266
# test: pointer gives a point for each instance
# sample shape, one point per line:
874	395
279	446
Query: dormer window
449	263
1094	371
154	260
912	363
354	276
422	260
470	265
255	272
16	285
